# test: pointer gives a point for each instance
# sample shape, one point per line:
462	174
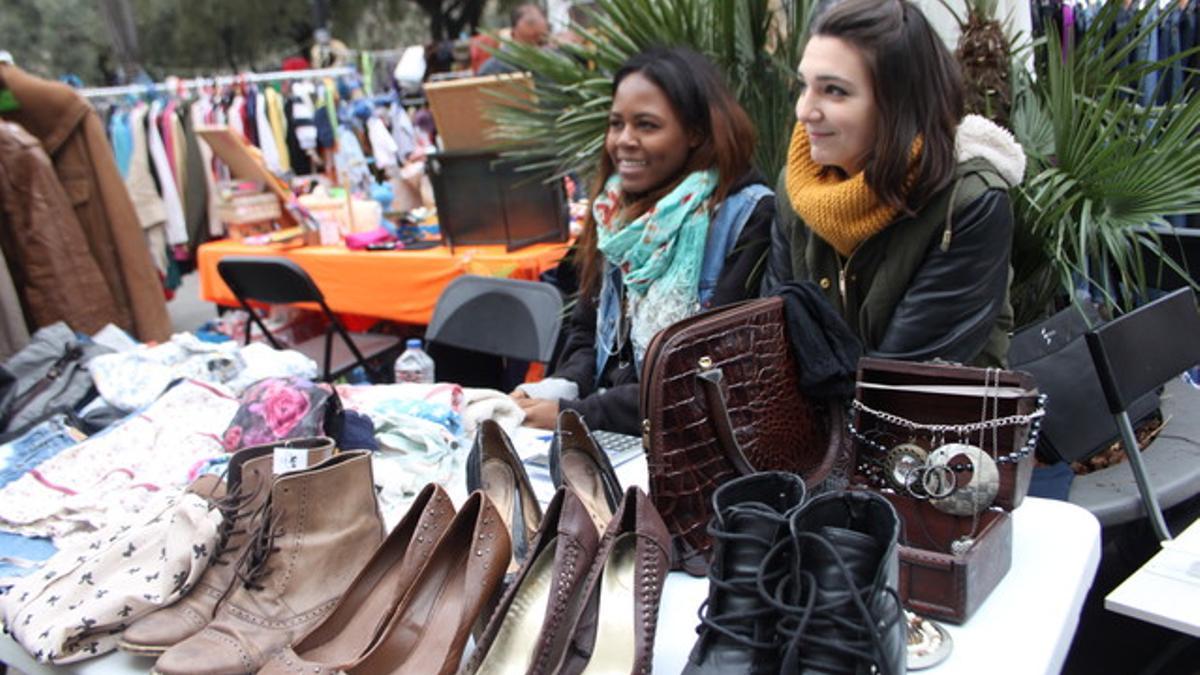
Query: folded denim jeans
47	439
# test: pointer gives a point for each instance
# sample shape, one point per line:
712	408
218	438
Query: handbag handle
718	412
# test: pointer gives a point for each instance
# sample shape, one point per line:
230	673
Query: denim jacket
723	232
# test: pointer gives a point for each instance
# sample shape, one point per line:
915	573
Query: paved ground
187	310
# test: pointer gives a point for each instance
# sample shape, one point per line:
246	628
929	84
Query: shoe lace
234	515
254	562
834	622
738	625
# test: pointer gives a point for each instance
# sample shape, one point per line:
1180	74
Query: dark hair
918	93
521	11
709	113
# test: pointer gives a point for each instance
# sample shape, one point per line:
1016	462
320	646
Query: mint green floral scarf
659	254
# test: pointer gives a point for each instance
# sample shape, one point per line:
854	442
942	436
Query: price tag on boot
289	459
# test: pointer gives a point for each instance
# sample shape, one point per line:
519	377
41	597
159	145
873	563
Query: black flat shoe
494	467
578	462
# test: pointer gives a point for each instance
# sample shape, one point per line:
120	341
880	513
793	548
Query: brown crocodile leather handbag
720	399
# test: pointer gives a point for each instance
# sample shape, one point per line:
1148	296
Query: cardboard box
459	107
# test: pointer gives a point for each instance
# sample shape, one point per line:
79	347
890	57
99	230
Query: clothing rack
221	80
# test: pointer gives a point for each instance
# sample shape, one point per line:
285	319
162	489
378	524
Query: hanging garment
351	163
14	334
201	113
196	189
142	189
266	138
179	143
279	127
383	146
236	116
300	159
403	132
176	227
167	130
44	244
250	117
121	135
73	136
79	606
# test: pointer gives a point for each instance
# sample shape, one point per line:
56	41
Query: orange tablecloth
398	285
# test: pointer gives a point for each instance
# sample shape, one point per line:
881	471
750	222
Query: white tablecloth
1025	626
1166	590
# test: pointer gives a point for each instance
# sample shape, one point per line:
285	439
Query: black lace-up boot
843	613
751	545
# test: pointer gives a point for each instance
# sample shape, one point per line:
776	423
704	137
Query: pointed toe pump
494	468
429	629
578	462
523	634
348	630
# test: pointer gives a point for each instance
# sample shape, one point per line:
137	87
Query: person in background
894	204
328	51
679	222
529	26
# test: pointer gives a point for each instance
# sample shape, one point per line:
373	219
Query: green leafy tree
50	38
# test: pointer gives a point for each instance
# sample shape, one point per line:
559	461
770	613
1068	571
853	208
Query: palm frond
1101	166
754	46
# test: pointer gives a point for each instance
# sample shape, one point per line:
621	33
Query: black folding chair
1134	354
493	316
271	281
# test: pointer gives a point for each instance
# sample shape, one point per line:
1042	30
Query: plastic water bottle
414	365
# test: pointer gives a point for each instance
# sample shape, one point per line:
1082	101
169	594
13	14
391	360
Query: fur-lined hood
979	137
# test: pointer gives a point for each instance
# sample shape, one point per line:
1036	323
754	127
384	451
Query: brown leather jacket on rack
73	137
44	246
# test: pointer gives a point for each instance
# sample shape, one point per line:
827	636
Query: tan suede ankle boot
249	483
318	529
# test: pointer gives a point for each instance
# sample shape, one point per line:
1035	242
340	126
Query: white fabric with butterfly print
83	598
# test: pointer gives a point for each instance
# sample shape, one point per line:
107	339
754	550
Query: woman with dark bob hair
896	204
679	222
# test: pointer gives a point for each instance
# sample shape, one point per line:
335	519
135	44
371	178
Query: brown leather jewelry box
952	555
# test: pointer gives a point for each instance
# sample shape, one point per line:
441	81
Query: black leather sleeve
615	409
577	362
953	301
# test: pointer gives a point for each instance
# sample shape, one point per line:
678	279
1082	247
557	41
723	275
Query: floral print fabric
659	254
275	409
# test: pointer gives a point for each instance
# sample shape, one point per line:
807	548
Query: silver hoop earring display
979	492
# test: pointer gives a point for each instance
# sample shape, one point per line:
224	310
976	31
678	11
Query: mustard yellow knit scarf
842	211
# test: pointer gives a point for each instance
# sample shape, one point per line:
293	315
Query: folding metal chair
497	317
1134	354
272	280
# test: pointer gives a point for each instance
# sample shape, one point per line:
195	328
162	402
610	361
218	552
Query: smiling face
837	104
646	140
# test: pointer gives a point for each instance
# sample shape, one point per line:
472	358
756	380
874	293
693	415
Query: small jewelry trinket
928	642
